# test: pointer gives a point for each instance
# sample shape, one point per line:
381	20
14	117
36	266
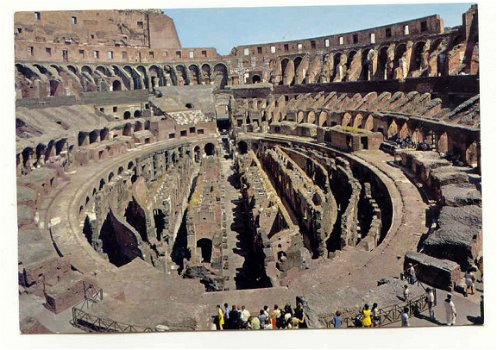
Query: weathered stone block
439	273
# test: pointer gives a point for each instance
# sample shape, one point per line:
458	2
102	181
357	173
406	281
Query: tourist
254	323
406	292
366	316
404	317
220	318
450	310
281	322
244	316
300	316
430	300
234	318
263	318
266	311
470	282
411	274
288	309
375	315
337	320
226	311
275	315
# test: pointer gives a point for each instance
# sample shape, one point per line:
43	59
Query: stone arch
399	52
311	117
73	69
323	116
94	136
181	75
350	58
220	75
127	115
382	72
417	56
358	121
125	79
103	70
206	73
256	79
197	154
116	85
346	118
137	114
284	64
369	123
300	117
392	129
443	143
196	78
297	61
104	134
156	75
135	78
471	154
143	76
170	76
404	131
127	130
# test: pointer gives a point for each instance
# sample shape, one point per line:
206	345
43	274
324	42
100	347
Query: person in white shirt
470	282
244	316
406	292
450	310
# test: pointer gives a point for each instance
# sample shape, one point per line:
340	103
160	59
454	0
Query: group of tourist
238	317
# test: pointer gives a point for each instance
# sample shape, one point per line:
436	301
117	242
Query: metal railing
388	315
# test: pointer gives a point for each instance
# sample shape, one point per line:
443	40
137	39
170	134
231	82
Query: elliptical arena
155	181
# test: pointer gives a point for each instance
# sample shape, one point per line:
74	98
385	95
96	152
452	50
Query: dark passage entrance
205	246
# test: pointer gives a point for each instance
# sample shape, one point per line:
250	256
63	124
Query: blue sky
224	28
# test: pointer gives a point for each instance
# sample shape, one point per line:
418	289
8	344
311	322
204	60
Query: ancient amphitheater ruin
155	182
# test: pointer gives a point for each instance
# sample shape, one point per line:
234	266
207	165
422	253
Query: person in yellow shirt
220	314
366	316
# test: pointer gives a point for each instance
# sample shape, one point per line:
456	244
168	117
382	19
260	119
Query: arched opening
104	134
127	130
189	105
206	73
135	216
195	74
417	56
443	143
284	63
181	75
256	79
220	75
54	84
350	58
197	154
205	246
346	119
311	117
242	147
94	136
357	121
118	242
399	53
369	124
382	64
209	149
322	118
137	114
116	85
143	73
127	115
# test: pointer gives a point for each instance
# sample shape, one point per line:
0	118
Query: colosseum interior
155	182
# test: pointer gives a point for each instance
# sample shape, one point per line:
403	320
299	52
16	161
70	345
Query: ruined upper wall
98	36
398	31
140	28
